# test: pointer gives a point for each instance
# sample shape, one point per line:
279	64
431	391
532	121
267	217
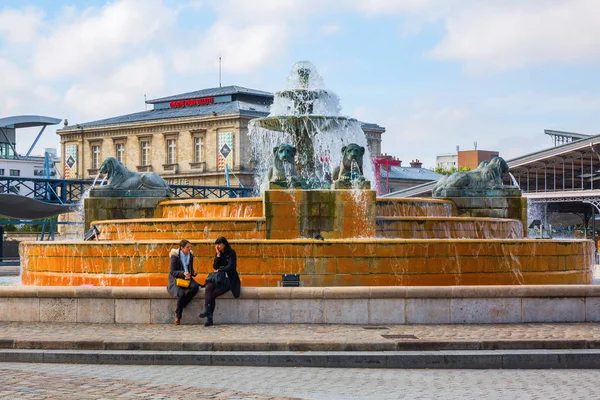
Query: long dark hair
222	240
183	243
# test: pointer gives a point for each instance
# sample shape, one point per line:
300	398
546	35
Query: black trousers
184	296
211	292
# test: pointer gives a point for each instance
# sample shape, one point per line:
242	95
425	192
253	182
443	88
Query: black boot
209	315
207	311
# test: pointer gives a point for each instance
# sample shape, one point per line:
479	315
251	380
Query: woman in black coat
182	266
223	280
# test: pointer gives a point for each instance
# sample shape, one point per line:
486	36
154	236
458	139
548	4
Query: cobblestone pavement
64	381
67	382
274	334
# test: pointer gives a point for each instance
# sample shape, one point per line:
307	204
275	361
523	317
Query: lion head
284	153
352	152
114	170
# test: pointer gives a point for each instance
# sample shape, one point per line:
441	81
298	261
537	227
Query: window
120	152
1	171
95	156
145	153
15	172
171	151
197	149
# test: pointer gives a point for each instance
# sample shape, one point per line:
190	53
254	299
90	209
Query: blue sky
434	73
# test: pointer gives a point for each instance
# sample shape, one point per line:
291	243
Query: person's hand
187	275
217	250
195	273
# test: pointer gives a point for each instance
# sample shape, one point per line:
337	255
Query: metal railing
67	191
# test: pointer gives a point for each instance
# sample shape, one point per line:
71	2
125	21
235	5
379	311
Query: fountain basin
448	228
177	228
336	262
211	208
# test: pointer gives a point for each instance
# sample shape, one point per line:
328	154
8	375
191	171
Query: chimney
416	163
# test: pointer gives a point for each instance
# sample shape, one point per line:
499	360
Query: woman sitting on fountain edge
182	266
224	279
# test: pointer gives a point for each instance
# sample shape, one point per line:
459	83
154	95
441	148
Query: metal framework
68	191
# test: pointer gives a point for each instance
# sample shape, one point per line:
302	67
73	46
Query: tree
451	170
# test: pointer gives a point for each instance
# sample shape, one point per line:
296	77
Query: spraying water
306	116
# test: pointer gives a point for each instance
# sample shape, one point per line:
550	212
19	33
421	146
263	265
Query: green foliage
24	227
451	170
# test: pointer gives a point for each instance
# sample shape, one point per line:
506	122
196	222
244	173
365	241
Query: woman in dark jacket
182	266
223	280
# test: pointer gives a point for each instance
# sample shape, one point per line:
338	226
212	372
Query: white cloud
119	93
331	29
531	103
242	49
100	37
514	34
20	26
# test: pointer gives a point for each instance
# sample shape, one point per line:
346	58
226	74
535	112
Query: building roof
27	121
234	107
411	174
211	92
372	127
243	107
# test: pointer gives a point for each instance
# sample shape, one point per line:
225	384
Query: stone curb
349	292
492	359
301	345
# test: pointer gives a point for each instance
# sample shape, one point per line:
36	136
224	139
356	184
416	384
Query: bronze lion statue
120	178
284	166
488	175
350	153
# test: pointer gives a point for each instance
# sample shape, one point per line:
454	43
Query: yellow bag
184	283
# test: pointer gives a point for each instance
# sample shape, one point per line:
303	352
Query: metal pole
563	174
554	176
545	182
227	175
582	171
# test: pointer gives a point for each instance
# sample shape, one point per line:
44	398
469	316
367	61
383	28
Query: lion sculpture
488	175
120	178
284	166
350	153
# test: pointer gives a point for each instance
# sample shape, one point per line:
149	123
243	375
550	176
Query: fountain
317	217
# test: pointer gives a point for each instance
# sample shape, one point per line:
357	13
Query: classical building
187	138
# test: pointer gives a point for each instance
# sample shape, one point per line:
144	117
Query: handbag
184	283
220	279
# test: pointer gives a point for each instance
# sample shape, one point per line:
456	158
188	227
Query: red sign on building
192	102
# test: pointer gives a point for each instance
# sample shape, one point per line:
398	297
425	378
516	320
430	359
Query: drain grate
375	327
399	336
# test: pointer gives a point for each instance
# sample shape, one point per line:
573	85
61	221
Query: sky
436	74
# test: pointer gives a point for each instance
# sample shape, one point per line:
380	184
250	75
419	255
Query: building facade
188	138
472	158
446	161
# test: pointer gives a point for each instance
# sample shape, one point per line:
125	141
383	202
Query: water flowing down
306	116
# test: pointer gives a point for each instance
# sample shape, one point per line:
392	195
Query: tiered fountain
318	187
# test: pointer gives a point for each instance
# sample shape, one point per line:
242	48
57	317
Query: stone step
497	359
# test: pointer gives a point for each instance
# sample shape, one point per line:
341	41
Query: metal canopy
27	121
571	167
21	207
